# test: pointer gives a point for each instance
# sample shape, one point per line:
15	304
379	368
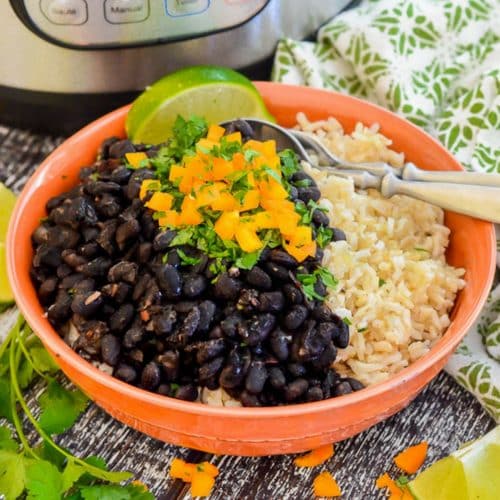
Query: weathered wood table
444	414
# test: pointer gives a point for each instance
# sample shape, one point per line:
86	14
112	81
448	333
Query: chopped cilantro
186	259
361	330
381	282
303	183
308	281
247	260
226	149
250	155
324	235
419	249
402	480
347	321
289	162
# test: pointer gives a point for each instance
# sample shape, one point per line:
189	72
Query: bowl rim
59	348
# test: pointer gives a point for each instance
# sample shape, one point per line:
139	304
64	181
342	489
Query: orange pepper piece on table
324	485
412	458
315	457
179	469
395	492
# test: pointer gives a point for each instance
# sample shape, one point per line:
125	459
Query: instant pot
67	61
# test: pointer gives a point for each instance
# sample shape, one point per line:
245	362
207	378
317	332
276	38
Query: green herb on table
47	471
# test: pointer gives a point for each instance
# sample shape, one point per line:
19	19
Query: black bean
277	378
276	271
103	152
207	311
126	373
87	304
47	290
241	126
165	390
338	234
169	281
342	388
189	325
126	232
84	285
137	356
141	286
283	258
89	233
110	349
72	259
300	175
279	341
326	358
194	285
123	271
341	335
293	294
256	377
120	175
295	317
106	237
249	400
320	218
356	385
150	377
187	392
210	368
163	323
320	288
55	202
271	301
258	278
293	192
122	318
314	394
296	369
227	288
97	188
258	328
96	267
209	349
144	252
133	335
294	390
322	313
135	181
200	266
89	250
233	373
80	211
91	333
46	255
170	364
248	301
184	306
162	240
119	148
311	193
108	205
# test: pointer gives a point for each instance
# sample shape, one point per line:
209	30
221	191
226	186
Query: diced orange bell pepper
169	219
412	458
287	221
135	159
209	468
215	132
221	168
324	485
179	469
189	215
277	205
315	457
251	200
208	193
300	253
201	484
160	202
176	173
266	220
226	224
247	238
238	161
301	236
234	137
149	185
225	201
273	190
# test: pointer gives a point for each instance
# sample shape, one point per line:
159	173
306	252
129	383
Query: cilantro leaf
402	480
6	440
43	481
186	259
71	474
47	452
12	474
381	282
347	321
25	373
60	407
303	183
111	492
42	360
327	277
324	235
247	260
289	162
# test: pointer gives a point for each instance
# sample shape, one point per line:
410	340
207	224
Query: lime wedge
472	472
7	202
214	93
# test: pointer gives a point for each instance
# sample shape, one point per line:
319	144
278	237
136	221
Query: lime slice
7	202
472	472
216	94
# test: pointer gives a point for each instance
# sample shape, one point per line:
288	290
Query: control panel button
186	7
126	11
68	12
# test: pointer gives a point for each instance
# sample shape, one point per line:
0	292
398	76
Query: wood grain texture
444	414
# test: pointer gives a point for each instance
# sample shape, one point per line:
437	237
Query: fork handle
482	202
411	172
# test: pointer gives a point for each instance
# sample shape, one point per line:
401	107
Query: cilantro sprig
46	471
309	281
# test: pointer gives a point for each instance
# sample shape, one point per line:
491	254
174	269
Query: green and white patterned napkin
436	62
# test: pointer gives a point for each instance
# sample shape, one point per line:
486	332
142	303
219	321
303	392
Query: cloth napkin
437	63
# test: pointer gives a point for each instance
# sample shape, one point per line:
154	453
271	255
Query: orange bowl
254	431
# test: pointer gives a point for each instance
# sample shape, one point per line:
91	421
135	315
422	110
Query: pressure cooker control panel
121	23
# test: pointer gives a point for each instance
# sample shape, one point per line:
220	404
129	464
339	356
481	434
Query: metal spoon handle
477	201
411	172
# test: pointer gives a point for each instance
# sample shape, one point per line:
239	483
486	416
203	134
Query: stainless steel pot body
40	55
